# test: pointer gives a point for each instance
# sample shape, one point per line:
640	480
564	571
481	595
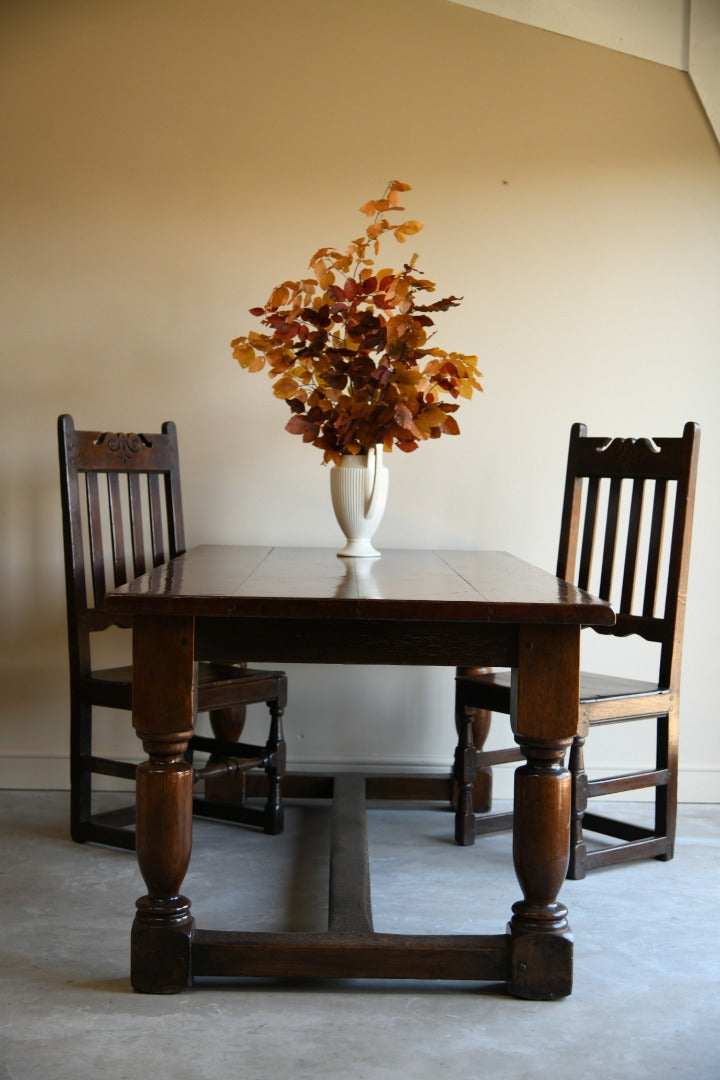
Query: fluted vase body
359	486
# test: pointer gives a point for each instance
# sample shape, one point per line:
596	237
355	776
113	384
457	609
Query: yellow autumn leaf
432	367
408	228
428	418
285	388
248	358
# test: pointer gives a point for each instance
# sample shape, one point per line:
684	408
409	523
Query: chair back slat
117	533
95	537
122	514
610	540
137	531
156	527
588	536
612	478
655	546
632	545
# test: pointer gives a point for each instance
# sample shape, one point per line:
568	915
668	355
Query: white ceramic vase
358	486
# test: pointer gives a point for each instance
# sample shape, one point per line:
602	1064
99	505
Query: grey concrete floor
647	960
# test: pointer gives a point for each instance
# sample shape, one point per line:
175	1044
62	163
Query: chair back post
678	571
75	590
572	501
173	497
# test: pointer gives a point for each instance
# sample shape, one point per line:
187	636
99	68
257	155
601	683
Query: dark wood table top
313	583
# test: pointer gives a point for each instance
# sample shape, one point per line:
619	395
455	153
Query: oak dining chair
625	536
122	515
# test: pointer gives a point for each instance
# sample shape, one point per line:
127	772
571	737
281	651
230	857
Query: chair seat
213	678
491	690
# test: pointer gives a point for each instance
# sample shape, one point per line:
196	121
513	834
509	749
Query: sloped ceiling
684	34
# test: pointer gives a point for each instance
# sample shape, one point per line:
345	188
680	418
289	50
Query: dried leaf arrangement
348	348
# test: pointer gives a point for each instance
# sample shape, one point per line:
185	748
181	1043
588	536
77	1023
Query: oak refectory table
305	605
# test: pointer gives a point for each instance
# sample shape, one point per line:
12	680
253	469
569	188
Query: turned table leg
163	709
545	700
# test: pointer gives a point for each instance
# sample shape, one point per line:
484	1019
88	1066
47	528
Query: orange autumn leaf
279	296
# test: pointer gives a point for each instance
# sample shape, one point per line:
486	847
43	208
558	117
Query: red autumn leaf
450	427
441	305
298	425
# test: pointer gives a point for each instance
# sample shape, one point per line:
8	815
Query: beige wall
681	33
166	163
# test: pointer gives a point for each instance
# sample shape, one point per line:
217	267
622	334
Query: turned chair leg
464	779
473	727
481	774
227	725
577	867
274	815
666	794
80	774
482	788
